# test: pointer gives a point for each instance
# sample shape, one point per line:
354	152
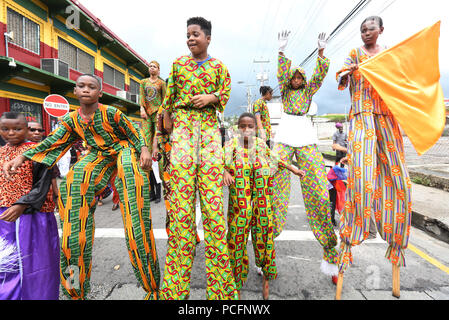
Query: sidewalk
430	190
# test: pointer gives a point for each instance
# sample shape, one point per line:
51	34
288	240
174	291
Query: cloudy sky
245	30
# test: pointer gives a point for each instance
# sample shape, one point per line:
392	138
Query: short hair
99	80
204	24
376	19
13	115
265	89
246	115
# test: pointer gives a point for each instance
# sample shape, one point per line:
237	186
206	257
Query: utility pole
262	76
248	95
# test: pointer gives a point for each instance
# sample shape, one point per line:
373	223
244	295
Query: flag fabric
407	77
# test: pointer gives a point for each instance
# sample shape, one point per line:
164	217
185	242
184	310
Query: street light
9	37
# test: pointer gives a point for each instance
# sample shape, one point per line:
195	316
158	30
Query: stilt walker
297	138
198	87
115	146
378	181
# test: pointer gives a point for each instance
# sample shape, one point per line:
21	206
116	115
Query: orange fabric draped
407	77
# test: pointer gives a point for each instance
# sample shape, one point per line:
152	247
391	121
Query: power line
354	12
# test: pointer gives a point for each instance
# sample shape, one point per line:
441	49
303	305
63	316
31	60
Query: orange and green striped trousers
378	184
85	180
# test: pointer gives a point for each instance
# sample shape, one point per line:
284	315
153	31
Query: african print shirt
364	98
297	102
257	156
261	108
108	132
188	79
22	182
12	191
152	94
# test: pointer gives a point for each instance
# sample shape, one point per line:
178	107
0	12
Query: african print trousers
197	164
250	210
85	180
164	172
315	194
149	130
379	184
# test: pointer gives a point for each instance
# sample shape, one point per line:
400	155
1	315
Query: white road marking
161	234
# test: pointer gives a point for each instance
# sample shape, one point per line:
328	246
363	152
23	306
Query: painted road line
161	234
429	259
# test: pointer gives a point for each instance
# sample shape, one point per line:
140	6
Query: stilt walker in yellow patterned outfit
250	165
198	87
296	138
115	146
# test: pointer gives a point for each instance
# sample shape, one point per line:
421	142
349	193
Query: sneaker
259	271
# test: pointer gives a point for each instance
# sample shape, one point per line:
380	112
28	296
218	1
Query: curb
432	227
430	180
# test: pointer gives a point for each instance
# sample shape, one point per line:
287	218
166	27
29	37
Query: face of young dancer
14	131
297	81
268	96
35	132
153	69
371	31
247	127
197	41
87	90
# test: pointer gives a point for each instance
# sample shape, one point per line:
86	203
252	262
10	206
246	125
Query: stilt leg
396	281
265	288
339	286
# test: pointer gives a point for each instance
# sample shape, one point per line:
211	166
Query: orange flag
407	77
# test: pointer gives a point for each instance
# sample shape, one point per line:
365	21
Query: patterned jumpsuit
250	207
378	180
151	97
165	146
197	164
115	145
309	159
261	108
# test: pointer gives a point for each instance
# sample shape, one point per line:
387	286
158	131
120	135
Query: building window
134	87
32	111
76	58
113	77
26	32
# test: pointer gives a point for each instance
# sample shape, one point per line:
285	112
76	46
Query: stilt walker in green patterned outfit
296	137
115	147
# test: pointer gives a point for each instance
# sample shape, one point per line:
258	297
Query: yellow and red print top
22	181
152	94
188	79
12	191
364	98
261	108
106	133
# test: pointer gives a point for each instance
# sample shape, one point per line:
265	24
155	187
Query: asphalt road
426	276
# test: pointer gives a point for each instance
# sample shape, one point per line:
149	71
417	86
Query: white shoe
259	271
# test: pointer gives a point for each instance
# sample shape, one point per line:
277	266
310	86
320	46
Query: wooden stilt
396	281
265	289
339	286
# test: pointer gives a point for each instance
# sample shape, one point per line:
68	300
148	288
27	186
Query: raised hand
322	41
283	40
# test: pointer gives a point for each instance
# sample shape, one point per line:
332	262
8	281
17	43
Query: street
298	258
